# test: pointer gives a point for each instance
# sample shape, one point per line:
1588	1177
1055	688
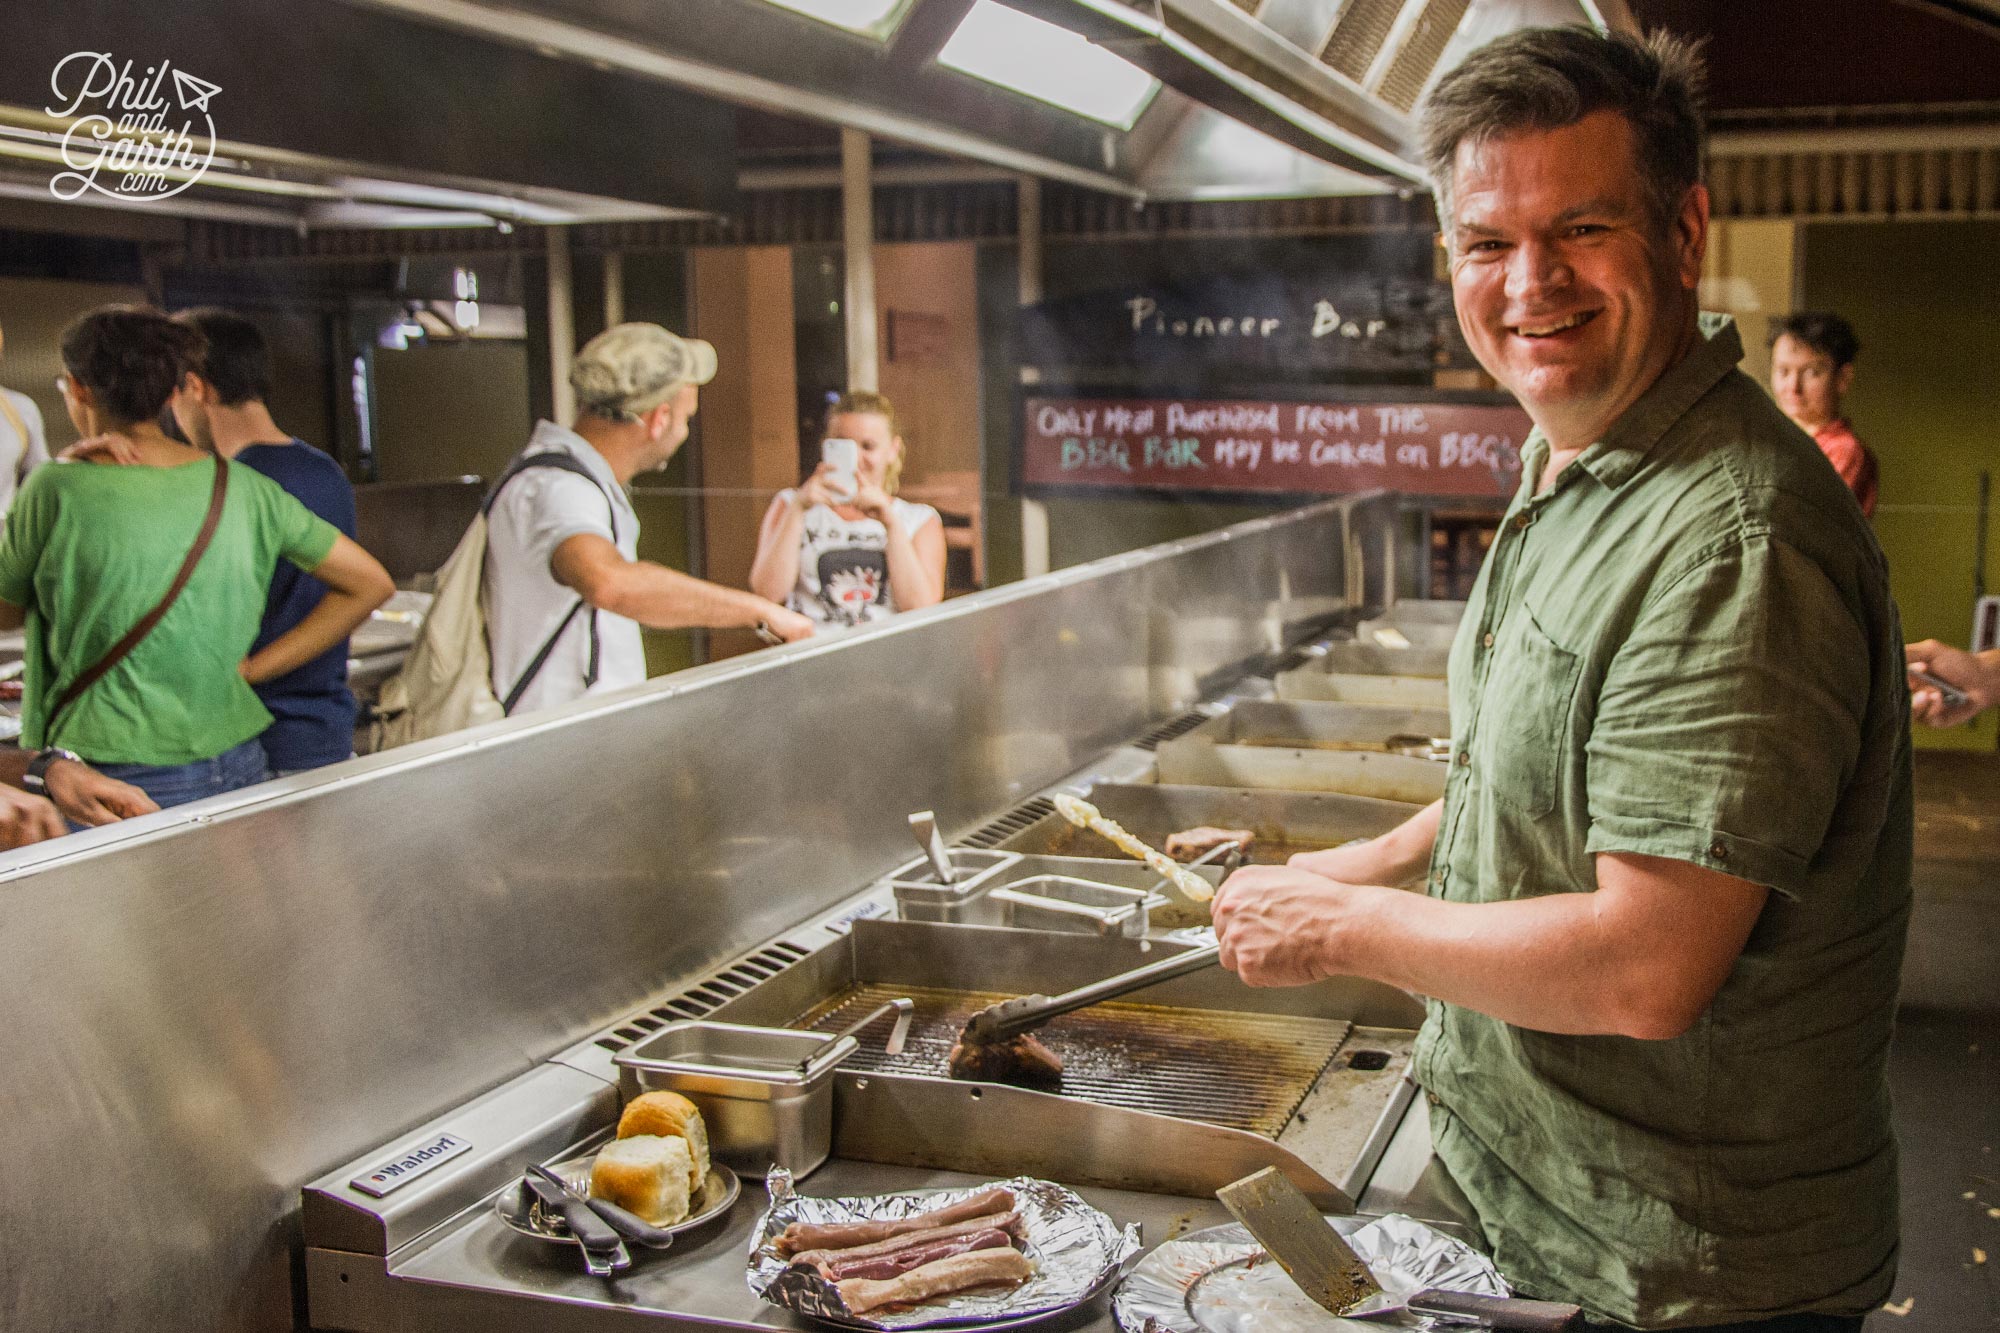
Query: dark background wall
1923	296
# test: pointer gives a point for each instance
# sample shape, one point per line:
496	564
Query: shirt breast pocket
1525	715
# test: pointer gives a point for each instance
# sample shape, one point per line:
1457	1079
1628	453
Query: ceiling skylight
872	18
1049	63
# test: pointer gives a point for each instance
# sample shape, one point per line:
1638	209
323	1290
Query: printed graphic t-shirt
312	710
90	548
844	564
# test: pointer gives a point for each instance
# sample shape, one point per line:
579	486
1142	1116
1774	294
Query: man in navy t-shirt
222	408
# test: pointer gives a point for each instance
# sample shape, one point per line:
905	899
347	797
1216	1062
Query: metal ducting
1260	98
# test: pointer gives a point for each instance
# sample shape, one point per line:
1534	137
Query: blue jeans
177	784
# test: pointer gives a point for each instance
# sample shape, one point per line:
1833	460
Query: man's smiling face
1570	291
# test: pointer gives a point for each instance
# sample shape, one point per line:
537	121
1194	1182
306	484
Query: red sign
1272	446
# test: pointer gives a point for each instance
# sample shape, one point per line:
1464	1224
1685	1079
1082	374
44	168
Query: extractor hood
1258	98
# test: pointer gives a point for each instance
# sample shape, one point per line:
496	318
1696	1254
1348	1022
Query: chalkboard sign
1270	446
1212	318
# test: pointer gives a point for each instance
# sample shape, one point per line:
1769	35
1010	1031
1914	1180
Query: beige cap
630	369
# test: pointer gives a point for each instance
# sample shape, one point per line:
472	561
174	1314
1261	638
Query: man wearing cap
565	589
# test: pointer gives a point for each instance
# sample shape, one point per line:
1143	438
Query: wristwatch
36	779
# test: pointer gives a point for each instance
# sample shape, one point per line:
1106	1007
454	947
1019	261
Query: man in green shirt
1669	882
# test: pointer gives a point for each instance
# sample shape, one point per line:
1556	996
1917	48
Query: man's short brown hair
1551	78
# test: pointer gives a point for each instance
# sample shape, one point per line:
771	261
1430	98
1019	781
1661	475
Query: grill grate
1023	816
1241	1071
1167	731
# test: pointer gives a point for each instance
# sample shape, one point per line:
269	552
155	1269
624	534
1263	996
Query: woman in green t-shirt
90	549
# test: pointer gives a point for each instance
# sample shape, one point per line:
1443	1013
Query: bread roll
670	1116
645	1174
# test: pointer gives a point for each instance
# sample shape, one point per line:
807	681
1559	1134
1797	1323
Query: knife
629	1225
1327	1269
603	1252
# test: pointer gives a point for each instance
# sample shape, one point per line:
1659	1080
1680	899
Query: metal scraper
1327	1269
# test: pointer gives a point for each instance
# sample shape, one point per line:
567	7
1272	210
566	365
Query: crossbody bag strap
123	648
535	667
14	419
565	462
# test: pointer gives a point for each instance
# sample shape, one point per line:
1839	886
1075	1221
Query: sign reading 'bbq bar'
1256	446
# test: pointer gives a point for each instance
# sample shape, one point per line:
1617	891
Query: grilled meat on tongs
995	1046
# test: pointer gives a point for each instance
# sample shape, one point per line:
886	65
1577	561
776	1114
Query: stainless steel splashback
209	1007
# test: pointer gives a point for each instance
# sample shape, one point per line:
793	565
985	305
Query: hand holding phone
1950	693
844	457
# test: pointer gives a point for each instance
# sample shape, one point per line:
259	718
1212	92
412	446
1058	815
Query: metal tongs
1010	1018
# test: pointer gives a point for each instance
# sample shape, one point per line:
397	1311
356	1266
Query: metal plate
1242	1070
518	1209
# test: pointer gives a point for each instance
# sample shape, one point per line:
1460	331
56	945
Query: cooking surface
1241	1070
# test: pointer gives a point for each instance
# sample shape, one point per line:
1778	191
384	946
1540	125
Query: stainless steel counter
216	1004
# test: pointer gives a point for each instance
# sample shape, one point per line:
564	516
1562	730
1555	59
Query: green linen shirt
1685	648
90	548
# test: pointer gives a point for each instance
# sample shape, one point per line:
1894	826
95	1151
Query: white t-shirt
538	511
844	565
18	456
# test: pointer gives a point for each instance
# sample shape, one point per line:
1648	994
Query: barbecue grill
1184	1088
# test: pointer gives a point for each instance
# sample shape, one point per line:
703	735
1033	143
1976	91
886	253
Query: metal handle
1014	1017
1509	1312
1106	919
902	1006
923	826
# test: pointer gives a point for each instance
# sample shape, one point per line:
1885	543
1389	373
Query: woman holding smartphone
840	548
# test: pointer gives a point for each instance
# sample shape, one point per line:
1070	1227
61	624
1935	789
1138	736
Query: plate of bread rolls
656	1168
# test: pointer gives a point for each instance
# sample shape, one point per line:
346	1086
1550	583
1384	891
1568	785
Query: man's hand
26	819
1279	926
787	624
101	449
1976	674
88	797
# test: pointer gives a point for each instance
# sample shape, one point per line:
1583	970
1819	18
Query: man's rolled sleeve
549	506
1730	719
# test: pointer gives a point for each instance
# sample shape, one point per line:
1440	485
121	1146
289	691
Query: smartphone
845	455
1951	694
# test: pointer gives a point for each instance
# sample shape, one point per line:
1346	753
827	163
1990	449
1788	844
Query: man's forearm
663	598
1395	857
338	615
1641	957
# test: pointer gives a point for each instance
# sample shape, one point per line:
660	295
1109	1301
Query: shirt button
1464	758
1486	642
1521	521
1432	1098
1718	851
